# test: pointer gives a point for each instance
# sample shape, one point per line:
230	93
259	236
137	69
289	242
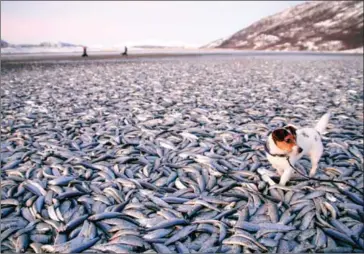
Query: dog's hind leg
315	158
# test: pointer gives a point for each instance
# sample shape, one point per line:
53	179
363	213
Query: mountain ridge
314	26
147	45
5	44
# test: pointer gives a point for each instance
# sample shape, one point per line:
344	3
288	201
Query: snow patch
354	13
251	35
316	39
267	38
357	50
326	23
331	45
310	45
241	43
263	40
296	29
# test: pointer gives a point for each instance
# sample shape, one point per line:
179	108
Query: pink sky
116	22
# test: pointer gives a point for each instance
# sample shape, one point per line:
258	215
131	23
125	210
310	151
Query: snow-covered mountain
4	44
159	44
57	44
314	25
44	47
59	47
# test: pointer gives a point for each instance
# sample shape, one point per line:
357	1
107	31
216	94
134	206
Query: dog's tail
322	123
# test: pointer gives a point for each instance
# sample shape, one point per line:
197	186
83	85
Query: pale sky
117	23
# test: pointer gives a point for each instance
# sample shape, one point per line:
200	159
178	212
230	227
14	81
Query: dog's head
286	139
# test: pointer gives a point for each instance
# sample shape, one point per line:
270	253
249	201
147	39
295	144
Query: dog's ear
279	134
292	129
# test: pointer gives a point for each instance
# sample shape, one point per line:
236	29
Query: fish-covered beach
166	154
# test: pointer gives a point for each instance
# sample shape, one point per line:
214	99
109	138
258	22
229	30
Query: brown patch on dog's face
284	139
292	130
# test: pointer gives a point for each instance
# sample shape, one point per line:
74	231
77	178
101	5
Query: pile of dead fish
167	156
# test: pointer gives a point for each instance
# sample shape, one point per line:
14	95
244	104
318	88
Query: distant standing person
125	52
84	51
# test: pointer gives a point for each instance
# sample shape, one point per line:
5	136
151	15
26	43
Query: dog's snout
300	150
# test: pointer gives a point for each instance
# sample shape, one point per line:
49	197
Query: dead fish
165	166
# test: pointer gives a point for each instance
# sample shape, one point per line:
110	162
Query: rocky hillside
214	44
316	26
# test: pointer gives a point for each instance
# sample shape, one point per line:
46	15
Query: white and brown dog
292	143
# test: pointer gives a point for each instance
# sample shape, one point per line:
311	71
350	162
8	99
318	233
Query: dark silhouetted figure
84	52
125	52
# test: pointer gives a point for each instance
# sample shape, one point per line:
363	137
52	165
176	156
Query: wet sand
55	57
67	57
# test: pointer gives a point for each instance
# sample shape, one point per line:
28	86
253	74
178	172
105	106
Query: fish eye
288	141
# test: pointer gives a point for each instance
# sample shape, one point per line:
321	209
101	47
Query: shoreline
26	58
68	57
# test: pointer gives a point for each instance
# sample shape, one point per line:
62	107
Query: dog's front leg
279	170
286	176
